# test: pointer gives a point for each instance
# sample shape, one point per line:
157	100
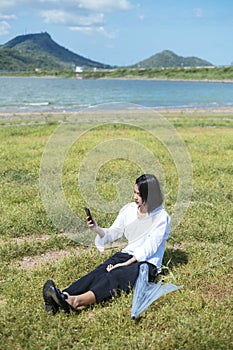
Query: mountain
31	51
168	58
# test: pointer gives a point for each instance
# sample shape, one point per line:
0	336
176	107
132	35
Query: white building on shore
78	71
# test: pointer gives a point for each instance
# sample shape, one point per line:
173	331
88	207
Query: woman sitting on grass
146	225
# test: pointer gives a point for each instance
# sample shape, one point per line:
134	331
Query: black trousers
106	284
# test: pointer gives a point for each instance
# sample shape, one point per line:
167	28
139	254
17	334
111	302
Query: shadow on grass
174	257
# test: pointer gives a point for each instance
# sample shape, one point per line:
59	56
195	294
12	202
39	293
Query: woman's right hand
91	223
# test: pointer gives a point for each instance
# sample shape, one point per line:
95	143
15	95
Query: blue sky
124	32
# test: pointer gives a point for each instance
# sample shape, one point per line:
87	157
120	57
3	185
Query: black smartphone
88	213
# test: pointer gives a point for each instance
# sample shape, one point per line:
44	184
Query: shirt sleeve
155	237
114	232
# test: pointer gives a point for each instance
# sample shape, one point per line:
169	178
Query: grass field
33	248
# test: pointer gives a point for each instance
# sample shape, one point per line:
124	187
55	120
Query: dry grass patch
29	263
29	239
220	289
3	301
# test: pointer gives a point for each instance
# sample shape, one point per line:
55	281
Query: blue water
59	94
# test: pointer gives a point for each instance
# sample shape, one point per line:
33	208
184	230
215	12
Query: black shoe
50	305
58	297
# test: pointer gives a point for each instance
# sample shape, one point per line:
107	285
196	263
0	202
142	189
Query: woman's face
137	197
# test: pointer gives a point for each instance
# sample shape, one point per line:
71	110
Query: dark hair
150	191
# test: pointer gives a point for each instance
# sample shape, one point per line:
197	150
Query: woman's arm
92	224
115	231
126	263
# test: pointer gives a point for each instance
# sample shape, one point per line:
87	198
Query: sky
125	32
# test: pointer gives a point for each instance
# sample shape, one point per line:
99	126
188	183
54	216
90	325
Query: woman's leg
88	281
99	285
107	286
75	301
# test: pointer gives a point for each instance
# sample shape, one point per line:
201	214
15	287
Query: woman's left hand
112	267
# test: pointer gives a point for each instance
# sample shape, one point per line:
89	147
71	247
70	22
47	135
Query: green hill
31	51
168	58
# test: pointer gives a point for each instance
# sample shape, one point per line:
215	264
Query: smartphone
88	213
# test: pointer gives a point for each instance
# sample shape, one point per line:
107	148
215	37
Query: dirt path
29	263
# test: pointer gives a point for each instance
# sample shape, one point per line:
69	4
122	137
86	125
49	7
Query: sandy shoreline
115	115
227	81
211	110
230	81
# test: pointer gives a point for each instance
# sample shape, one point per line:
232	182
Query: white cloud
86	16
4	28
4	25
91	30
7	17
105	5
57	16
108	34
93	5
70	19
82	15
198	12
5	4
85	30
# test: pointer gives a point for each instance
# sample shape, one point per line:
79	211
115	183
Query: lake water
59	94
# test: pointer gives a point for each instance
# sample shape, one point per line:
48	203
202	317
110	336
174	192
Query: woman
146	226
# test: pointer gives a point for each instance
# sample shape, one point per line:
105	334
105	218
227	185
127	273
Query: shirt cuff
99	243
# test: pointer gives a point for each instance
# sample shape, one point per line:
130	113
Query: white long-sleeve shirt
146	236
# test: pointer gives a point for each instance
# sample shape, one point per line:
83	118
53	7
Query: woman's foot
79	301
55	298
50	305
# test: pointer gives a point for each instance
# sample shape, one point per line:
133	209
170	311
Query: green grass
176	73
198	254
192	73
